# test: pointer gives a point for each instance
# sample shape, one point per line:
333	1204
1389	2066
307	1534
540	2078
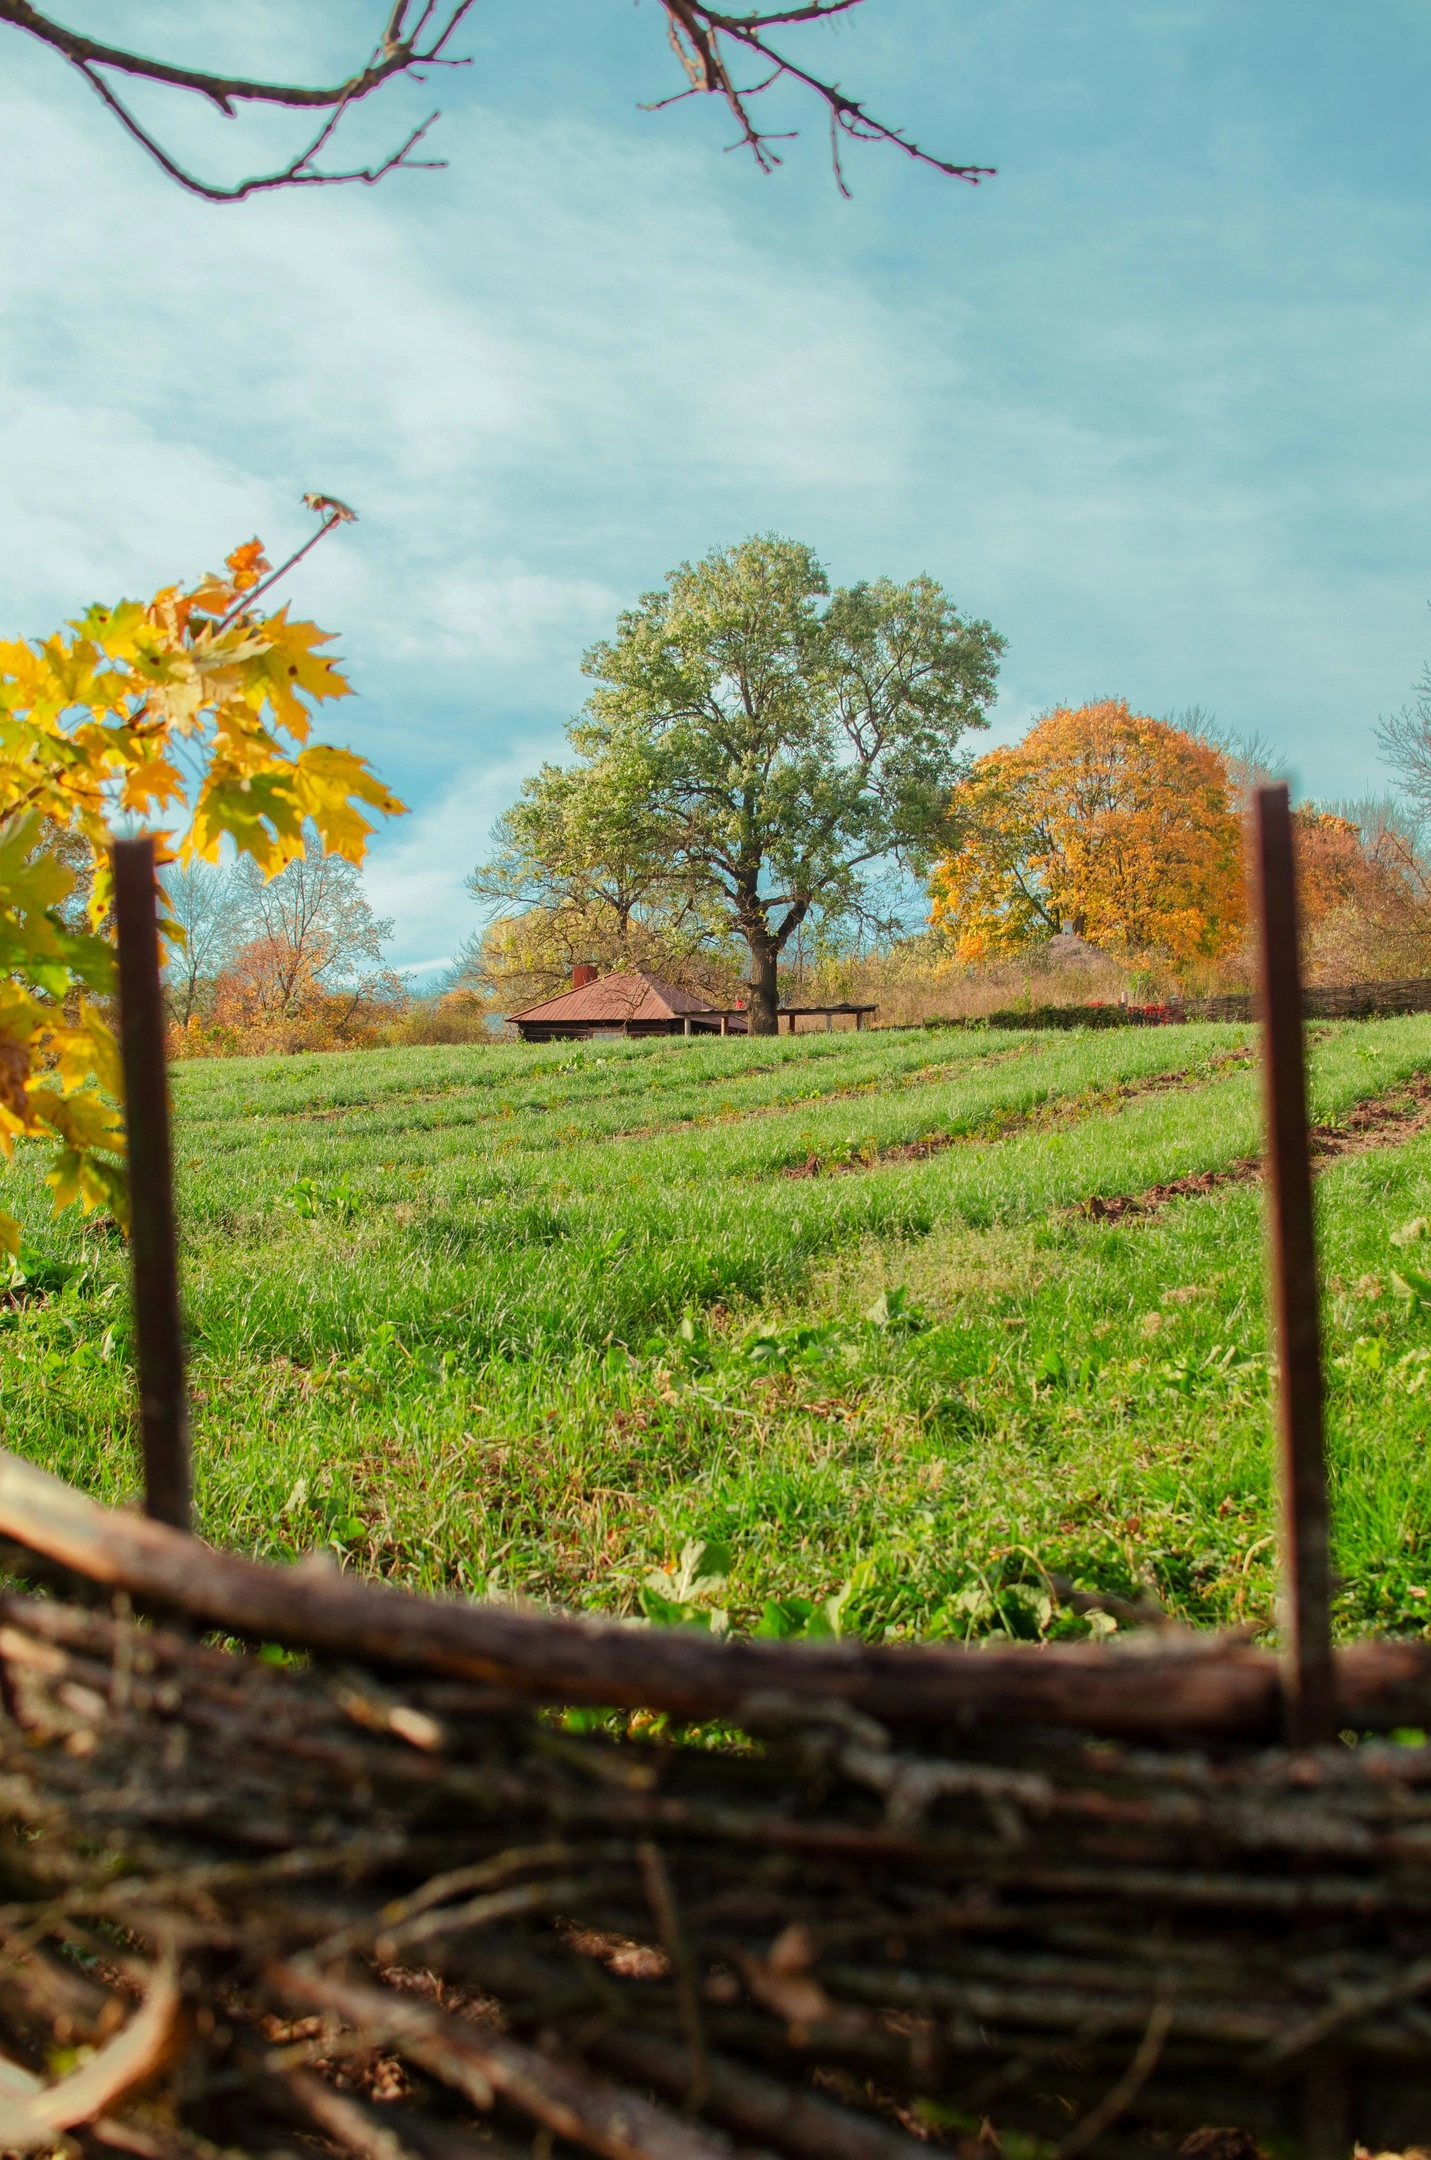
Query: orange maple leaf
248	564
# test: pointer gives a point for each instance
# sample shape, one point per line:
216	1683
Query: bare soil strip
1050	1116
1384	1121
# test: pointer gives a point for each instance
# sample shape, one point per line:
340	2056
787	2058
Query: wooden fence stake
1310	1687
163	1409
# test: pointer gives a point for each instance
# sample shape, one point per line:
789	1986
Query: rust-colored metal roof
616	999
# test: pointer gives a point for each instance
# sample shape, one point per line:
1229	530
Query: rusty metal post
1310	1686
163	1407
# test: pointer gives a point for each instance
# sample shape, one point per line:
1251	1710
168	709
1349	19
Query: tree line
765	759
770	765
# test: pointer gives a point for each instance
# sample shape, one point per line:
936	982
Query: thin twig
1120	2096
664	1910
695	34
340	514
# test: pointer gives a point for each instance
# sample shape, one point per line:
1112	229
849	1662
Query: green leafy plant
681	1596
339	1524
1413	1287
802	1619
1366	1355
892	1310
29	1274
1051	1369
308	1199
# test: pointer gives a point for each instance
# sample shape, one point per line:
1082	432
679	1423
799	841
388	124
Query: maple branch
337	513
416	36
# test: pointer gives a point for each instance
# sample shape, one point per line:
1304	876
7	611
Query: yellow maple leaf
91	721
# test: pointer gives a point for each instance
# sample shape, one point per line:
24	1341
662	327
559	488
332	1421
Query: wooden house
634	1004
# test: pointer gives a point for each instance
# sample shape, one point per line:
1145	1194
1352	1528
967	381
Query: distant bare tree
1405	744
415	38
1251	760
209	902
310	928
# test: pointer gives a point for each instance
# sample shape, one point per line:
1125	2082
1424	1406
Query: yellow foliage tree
191	715
1103	818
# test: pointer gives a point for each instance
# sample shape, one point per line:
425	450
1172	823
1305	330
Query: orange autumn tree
1336	870
1103	818
191	715
1365	894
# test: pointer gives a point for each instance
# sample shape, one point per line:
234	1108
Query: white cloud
419	866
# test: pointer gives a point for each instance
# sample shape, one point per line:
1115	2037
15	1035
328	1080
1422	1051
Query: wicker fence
1340	1001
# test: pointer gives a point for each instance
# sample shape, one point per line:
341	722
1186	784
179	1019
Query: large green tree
581	841
767	745
579	870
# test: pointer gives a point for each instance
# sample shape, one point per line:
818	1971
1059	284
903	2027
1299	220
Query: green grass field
537	1321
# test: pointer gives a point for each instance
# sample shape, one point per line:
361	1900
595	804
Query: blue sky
1154	400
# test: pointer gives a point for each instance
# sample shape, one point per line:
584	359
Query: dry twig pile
826	1944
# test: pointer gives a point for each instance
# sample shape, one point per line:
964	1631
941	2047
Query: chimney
582	974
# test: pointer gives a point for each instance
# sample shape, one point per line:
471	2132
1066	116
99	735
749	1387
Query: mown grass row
477	1255
612	1084
299	1240
529	1371
642	1089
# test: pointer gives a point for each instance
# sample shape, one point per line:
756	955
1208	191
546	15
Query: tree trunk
764	993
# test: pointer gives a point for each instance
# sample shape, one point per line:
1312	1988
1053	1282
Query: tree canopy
1364	890
762	746
1104	818
580	844
1404	741
205	900
309	932
580	872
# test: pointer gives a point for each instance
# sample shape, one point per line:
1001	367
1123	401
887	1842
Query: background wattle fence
1332	1001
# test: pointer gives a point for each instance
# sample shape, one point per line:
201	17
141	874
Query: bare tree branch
696	31
400	51
299	172
416	36
397	53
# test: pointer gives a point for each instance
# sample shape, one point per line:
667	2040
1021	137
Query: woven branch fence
1332	1001
999	1911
